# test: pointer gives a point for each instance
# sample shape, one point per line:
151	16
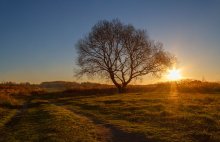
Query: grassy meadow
167	112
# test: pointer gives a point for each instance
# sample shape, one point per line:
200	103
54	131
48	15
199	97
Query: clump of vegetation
13	94
7	100
198	86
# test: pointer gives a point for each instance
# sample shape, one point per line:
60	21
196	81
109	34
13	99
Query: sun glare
174	74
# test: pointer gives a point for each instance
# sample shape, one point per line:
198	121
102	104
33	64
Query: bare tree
120	52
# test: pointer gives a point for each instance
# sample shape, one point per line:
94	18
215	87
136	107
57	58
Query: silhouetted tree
121	53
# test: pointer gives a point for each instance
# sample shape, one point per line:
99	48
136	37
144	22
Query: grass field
153	116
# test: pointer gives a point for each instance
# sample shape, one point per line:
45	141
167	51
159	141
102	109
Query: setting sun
174	74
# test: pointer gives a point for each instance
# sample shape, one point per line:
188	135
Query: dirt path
118	135
8	129
105	132
18	115
110	133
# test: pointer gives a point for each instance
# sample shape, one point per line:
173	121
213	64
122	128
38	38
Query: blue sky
37	37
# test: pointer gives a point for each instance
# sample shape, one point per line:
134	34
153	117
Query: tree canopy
121	52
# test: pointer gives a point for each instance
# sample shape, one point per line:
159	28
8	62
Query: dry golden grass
185	111
164	112
159	115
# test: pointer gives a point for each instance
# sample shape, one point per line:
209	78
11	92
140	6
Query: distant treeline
191	86
62	85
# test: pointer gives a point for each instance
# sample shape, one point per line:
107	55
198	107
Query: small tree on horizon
121	53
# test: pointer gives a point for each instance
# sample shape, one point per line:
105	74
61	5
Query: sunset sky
38	37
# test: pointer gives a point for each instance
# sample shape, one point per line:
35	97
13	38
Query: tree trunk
121	89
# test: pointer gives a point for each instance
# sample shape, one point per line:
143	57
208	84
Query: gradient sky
37	37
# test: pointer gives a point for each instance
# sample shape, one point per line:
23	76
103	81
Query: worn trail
41	120
109	132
